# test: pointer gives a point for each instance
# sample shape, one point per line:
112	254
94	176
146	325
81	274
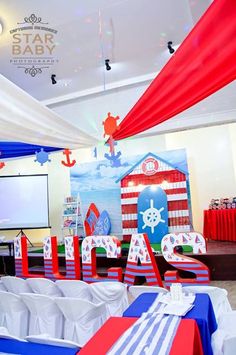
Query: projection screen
24	202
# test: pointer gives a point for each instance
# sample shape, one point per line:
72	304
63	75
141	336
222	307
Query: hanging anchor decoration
114	159
69	163
95	152
2	164
110	127
42	157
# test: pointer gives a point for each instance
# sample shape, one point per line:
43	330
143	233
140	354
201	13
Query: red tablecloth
220	224
186	342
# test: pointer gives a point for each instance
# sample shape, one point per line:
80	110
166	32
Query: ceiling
133	34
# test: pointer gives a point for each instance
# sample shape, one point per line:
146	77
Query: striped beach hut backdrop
152	170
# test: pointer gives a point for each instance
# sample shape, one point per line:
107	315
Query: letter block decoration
182	262
112	246
51	267
72	247
21	258
140	250
51	258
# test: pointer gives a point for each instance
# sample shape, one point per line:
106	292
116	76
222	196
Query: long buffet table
11	346
187	340
202	313
220	224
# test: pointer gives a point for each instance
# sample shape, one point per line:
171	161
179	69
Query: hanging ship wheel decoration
110	127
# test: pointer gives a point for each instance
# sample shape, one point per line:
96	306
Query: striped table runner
153	333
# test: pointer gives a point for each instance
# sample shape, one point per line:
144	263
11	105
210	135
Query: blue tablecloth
202	312
26	348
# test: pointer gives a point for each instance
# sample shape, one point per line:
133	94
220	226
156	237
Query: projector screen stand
21	233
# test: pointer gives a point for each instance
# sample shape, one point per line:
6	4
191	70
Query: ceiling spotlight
108	67
171	49
53	78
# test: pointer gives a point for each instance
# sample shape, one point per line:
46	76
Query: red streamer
203	64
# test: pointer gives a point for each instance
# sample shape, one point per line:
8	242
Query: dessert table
220	224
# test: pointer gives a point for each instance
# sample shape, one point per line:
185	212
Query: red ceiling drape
203	64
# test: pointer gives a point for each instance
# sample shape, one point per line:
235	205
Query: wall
212	164
211	155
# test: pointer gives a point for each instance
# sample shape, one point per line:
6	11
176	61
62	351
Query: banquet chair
82	318
217	295
113	294
45	316
14	314
45	339
75	288
135	291
15	284
223	340
44	287
2	287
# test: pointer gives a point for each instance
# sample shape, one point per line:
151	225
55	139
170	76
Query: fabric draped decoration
203	64
16	149
24	119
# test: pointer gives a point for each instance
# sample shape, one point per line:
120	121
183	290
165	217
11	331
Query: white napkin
186	299
175	309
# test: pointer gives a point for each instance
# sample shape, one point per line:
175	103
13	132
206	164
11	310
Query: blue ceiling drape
17	149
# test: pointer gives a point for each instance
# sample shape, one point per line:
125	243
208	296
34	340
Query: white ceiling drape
24	119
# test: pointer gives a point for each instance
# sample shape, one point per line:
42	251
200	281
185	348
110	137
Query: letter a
140	250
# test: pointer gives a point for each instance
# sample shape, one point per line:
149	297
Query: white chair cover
135	291
4	334
229	347
82	318
44	287
14	314
45	316
45	339
2	287
223	340
113	294
15	284
75	289
217	295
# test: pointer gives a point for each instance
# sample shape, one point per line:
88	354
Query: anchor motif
68	162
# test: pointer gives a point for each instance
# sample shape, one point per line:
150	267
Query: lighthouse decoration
155	199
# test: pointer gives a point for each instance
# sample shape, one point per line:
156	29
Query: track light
108	67
53	78
171	49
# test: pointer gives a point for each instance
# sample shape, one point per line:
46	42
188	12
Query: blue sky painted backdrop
96	182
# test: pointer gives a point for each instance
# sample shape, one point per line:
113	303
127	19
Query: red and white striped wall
172	181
